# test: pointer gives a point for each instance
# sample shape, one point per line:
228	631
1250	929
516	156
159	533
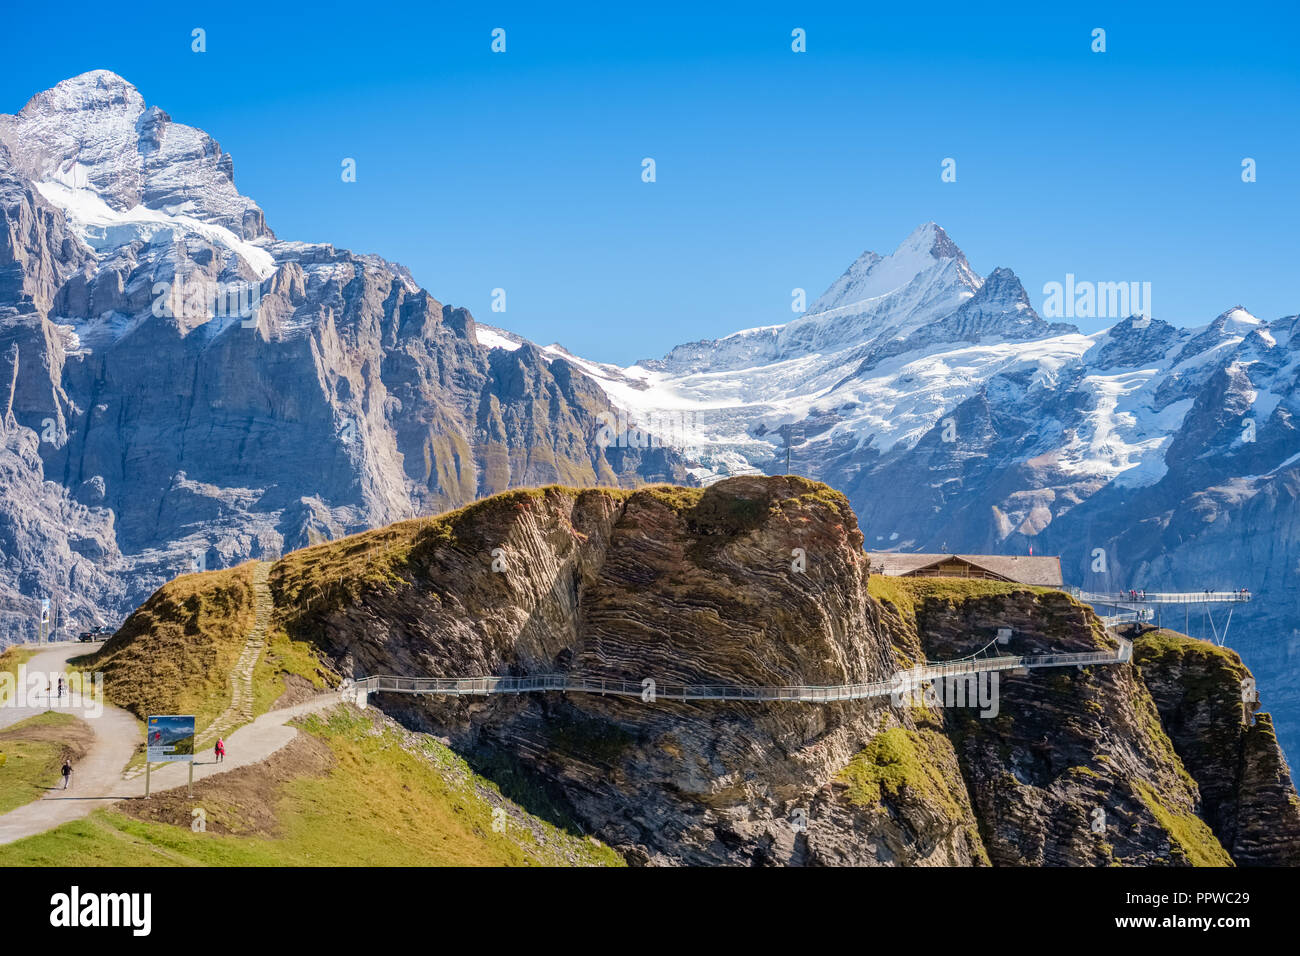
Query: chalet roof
1022	569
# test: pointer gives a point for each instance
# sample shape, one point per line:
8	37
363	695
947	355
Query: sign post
169	737
794	435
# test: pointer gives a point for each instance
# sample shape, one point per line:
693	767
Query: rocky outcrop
669	584
1075	768
1060	767
901	801
1208	702
50	544
37	250
1268	810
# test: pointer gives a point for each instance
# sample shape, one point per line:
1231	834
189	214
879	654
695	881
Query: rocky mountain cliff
182	389
1112	764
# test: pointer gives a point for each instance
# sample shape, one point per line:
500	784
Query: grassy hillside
354	790
1164	642
286	671
175	653
1191	841
906	594
315	580
32	753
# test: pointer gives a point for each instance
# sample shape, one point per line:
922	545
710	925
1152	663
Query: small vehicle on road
96	633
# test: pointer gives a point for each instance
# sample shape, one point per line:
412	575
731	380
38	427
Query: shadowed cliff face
1075	769
1208	703
1072	767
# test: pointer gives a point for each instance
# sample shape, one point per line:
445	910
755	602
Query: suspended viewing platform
1146	606
1160	597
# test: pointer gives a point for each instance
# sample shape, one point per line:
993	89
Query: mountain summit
927	261
877	298
91	142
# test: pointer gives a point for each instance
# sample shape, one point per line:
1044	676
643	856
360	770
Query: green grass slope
32	753
354	790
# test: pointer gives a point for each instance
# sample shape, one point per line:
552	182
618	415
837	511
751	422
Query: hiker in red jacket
220	749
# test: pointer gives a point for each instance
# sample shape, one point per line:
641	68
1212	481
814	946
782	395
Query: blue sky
775	170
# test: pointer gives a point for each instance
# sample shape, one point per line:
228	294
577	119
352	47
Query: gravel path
98	781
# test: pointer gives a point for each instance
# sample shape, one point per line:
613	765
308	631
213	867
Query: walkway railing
901	681
1161	597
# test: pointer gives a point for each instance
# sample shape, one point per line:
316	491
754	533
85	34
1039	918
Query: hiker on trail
220	750
67	773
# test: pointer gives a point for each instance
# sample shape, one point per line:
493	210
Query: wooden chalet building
1018	569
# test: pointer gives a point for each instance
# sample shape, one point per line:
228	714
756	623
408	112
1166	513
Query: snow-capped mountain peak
927	255
82	134
907	346
1238	321
882	298
95	150
876	300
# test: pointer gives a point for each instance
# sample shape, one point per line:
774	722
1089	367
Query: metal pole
191	762
146	778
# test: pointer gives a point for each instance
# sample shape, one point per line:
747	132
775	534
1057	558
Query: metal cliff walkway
1161	597
902	681
1139	607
